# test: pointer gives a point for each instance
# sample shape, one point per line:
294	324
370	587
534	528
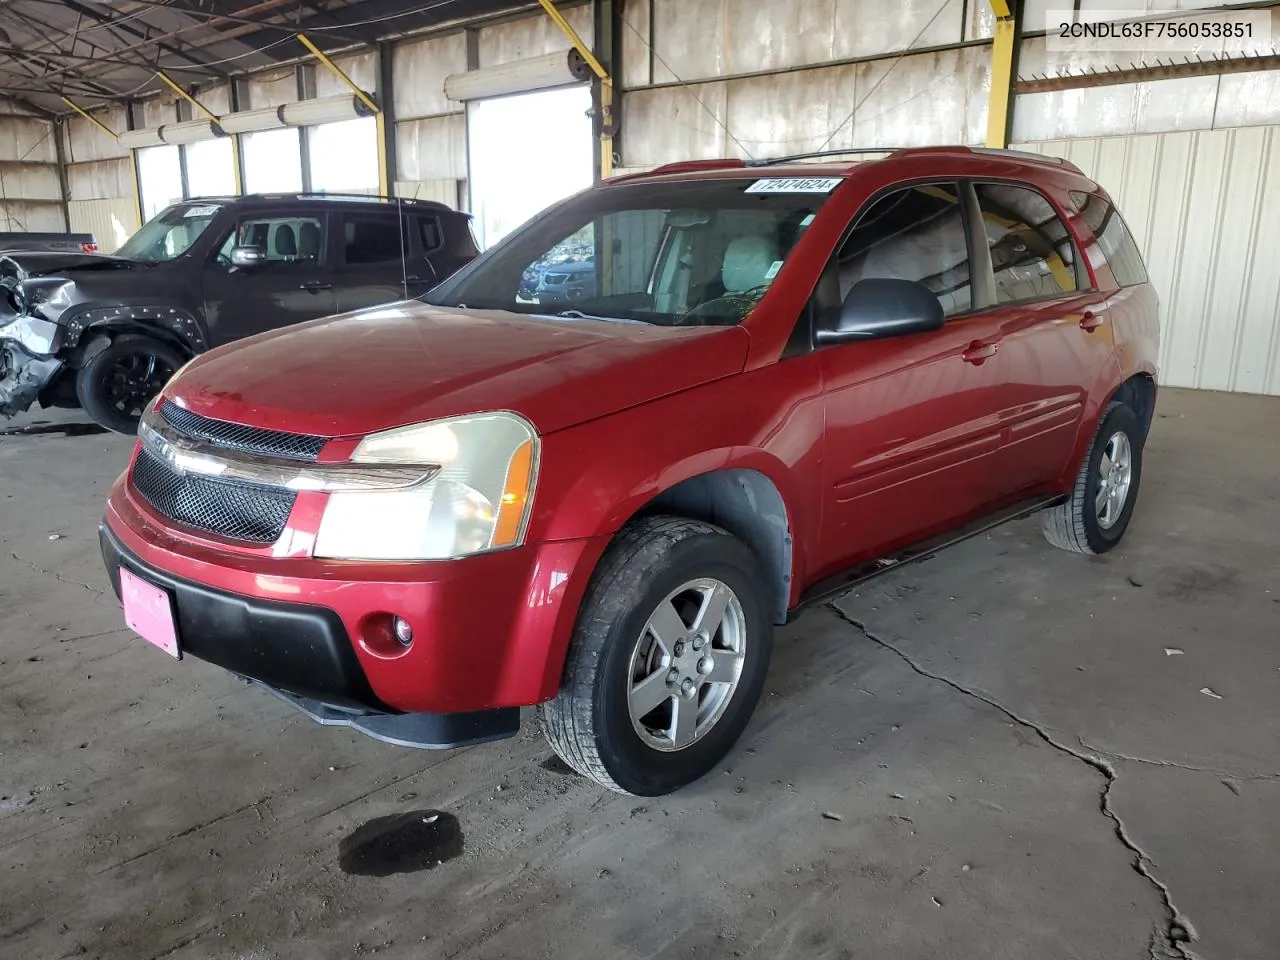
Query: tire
116	383
645	574
1080	524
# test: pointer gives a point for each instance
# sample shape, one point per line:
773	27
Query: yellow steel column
1000	99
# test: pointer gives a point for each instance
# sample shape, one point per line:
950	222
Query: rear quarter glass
1113	240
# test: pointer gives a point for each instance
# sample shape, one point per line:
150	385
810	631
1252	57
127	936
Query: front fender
596	476
173	323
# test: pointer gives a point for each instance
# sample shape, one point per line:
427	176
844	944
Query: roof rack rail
1021	154
850	151
322	195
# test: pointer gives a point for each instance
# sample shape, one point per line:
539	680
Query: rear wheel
668	658
116	383
1096	515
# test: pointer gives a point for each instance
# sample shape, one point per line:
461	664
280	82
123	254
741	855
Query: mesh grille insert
238	511
237	436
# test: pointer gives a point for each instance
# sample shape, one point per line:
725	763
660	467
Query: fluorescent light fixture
137	139
309	113
518	76
192	131
252	121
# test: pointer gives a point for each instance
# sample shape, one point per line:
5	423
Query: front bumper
490	631
302	654
23	376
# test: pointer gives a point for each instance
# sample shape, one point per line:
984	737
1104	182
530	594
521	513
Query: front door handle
979	351
1091	321
316	285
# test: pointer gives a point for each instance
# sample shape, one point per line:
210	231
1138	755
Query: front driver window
282	239
912	234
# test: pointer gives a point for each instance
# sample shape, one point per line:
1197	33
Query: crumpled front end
27	361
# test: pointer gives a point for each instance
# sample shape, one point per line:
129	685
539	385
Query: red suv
418	518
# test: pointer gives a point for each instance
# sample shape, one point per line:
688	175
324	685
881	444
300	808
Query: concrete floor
1004	752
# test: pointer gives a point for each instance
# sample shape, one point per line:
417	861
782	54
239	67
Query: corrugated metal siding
110	221
1203	207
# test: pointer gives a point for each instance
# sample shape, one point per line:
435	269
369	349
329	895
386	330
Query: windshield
696	252
170	233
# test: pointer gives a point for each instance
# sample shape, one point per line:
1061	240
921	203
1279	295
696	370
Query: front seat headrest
309	240
748	263
286	242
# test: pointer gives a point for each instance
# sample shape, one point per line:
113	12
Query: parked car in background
566	282
417	520
55	242
106	333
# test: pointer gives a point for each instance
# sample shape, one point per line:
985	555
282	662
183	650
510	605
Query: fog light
403	632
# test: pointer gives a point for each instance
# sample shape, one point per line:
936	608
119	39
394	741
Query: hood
20	264
410	362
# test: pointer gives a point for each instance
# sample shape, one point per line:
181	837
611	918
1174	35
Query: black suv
106	332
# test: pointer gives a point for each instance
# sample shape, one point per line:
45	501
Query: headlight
478	500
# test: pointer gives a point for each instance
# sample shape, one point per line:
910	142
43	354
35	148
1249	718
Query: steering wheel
725	310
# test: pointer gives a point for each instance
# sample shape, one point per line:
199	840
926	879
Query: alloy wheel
686	664
1115	475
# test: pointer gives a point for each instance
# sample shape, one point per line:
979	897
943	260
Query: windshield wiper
579	315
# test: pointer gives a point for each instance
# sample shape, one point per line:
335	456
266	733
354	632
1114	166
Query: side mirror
247	256
883	307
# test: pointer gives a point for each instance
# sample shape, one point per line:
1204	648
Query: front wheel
118	382
667	661
1096	515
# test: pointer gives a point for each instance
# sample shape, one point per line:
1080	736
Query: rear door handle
979	351
1091	321
315	285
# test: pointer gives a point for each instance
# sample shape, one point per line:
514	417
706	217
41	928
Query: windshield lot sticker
773	270
795	185
200	211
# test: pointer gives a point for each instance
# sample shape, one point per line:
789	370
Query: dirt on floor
1003	752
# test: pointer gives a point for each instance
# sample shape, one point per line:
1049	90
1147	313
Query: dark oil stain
556	765
1193	583
403	843
66	429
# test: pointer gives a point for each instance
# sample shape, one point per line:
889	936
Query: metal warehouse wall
761	78
100	182
1204	208
30	192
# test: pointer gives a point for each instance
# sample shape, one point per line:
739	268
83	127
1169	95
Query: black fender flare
171	324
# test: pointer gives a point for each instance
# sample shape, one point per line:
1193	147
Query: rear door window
1113	236
1032	255
917	233
369	238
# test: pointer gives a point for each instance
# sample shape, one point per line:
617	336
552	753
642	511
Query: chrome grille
237	436
238	511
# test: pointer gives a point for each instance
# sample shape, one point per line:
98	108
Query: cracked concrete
999	762
1168	940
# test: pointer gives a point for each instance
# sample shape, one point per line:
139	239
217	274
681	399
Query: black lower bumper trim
302	654
424	731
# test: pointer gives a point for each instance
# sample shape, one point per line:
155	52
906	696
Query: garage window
1032	255
912	234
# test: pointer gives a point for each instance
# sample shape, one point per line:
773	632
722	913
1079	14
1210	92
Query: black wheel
117	383
1095	516
667	661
